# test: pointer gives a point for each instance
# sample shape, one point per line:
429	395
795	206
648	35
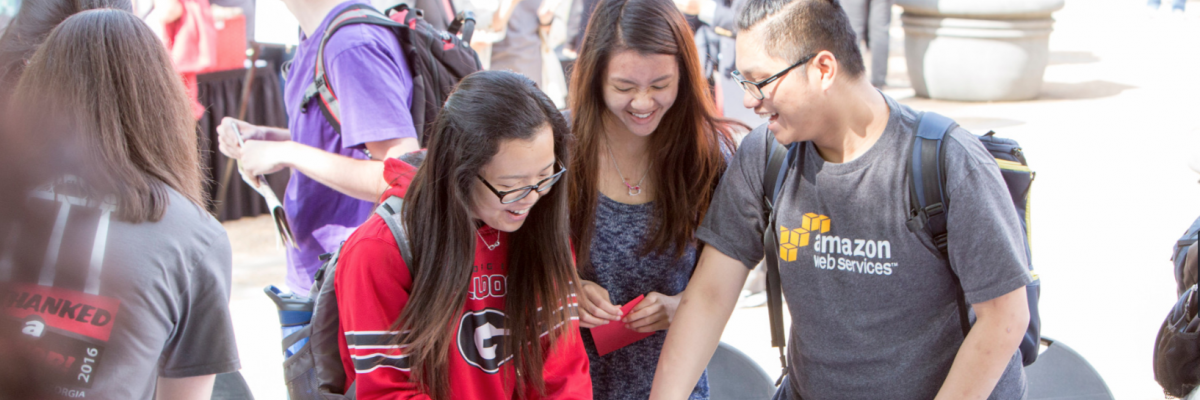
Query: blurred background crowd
1105	102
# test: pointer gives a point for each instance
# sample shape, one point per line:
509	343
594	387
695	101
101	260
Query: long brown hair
689	145
103	82
485	109
29	28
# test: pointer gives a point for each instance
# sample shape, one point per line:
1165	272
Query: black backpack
1183	279
927	216
312	365
315	370
1177	348
437	60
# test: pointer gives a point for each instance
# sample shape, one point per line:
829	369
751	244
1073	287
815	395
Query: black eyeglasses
755	88
515	195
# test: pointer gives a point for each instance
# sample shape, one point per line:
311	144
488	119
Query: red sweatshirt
372	286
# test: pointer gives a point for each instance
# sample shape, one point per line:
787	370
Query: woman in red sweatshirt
487	310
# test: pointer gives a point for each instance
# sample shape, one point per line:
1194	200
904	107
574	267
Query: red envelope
613	335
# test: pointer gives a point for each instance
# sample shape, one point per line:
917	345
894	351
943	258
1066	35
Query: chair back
732	375
1061	373
231	386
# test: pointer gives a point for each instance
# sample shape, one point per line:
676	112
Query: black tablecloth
221	93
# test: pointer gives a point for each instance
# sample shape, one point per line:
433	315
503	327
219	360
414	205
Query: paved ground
1110	138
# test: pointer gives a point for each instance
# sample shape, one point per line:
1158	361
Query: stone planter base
976	59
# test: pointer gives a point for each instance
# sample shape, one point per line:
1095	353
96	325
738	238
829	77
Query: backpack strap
1179	253
778	160
927	192
464	23
389	211
928	180
320	87
774	173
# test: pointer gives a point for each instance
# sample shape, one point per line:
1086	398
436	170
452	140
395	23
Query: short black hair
798	28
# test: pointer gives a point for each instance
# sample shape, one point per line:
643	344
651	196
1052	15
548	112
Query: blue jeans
1177	4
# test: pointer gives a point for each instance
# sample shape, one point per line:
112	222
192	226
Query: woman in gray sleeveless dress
650	149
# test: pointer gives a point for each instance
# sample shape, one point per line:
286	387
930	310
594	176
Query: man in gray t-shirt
873	304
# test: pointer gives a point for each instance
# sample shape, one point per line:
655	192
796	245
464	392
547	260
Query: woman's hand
595	306
654	313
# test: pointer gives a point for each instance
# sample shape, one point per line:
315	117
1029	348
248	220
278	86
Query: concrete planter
977	50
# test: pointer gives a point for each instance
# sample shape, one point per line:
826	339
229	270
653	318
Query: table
220	93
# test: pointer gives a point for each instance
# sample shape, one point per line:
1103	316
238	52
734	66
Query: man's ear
826	68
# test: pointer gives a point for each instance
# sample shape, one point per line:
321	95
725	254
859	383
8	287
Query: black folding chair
1061	373
231	386
734	376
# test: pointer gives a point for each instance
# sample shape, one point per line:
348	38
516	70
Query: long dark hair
103	83
485	109
689	145
29	28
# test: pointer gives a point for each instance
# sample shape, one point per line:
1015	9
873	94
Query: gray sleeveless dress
621	230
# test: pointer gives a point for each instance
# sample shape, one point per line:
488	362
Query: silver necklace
634	190
490	246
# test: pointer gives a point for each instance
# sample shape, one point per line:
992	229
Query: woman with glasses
486	309
649	153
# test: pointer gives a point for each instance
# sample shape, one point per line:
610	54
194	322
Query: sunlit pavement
1110	138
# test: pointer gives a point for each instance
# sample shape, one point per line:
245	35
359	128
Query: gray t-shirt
115	305
873	304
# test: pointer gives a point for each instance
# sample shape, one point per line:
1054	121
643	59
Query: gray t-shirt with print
115	305
873	304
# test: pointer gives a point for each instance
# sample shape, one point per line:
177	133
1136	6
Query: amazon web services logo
793	239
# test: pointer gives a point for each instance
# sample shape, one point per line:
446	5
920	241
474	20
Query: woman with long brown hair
485	310
127	292
29	28
649	153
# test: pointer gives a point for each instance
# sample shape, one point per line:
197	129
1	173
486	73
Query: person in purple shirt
336	176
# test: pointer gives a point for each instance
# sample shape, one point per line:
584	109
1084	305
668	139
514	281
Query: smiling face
640	88
517	163
792	103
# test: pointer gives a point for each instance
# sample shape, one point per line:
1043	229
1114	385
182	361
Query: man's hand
1000	324
230	146
595	306
704	308
228	142
654	313
260	157
266	150
263	151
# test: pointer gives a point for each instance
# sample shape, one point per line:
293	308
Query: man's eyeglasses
755	88
515	195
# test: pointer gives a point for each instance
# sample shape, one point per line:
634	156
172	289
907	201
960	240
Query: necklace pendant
490	246
633	190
